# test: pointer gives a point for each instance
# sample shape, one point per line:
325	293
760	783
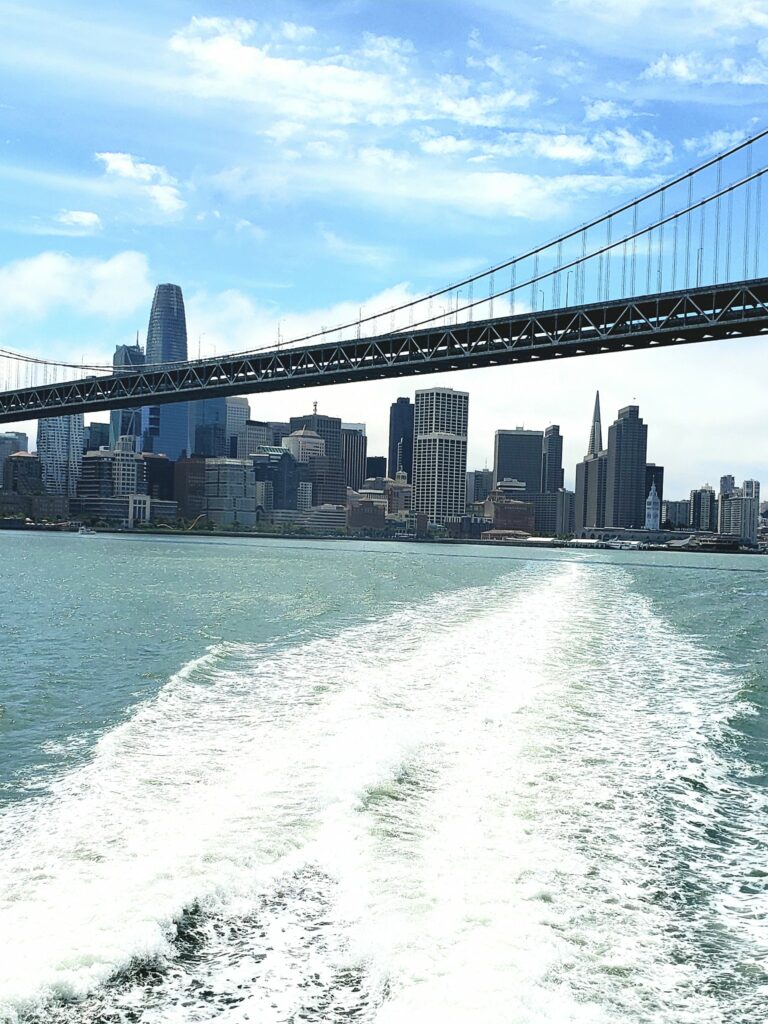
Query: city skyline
380	426
483	133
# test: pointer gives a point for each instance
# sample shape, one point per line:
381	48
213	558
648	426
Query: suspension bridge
679	264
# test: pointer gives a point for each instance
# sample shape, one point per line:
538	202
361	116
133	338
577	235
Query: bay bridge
680	264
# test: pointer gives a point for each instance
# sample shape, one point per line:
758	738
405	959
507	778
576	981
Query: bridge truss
681	263
672	318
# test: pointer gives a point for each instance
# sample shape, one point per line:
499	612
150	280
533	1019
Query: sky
290	163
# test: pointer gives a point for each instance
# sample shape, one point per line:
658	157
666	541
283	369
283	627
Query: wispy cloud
717	141
355	252
615	146
152	181
380	82
81	221
110	288
698	68
605	110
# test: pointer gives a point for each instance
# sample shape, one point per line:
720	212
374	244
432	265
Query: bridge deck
710	313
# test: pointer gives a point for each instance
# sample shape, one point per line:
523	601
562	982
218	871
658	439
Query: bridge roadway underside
711	313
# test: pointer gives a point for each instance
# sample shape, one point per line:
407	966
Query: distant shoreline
541	545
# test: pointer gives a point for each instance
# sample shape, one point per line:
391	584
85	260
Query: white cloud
296	33
231	321
702	69
640	28
446	145
152	181
112	288
255	230
81	220
605	110
355	252
379	84
393	180
166	198
716	141
126	166
612	146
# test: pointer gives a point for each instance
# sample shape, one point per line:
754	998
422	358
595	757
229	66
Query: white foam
489	783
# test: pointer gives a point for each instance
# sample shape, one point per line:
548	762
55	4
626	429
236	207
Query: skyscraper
727	484
552	476
703	509
354	449
166	428
238	412
479	484
215	424
739	510
125	422
401	437
440	453
595	445
60	449
518	455
591	475
625	472
331	488
10	443
375	466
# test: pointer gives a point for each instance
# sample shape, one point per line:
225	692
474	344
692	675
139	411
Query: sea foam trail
206	792
492	806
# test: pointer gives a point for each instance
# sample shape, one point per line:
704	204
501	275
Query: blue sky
288	163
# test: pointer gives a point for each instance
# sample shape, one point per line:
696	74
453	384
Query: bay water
294	781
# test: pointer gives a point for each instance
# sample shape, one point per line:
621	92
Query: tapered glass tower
166	427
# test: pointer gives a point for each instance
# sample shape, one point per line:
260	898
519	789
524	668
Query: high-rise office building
676	514
60	449
595	445
703	510
401	438
331	487
751	489
739	511
279	431
625	471
375	466
354	450
238	412
22	474
518	455
591	473
479	484
552	475
95	436
254	434
727	484
10	443
125	422
166	428
304	445
440	453
230	492
216	424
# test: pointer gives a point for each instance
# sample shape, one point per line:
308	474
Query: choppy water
348	782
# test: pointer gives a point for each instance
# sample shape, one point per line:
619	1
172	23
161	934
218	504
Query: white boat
85	531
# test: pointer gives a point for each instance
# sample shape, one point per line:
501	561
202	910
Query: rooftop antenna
314	408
